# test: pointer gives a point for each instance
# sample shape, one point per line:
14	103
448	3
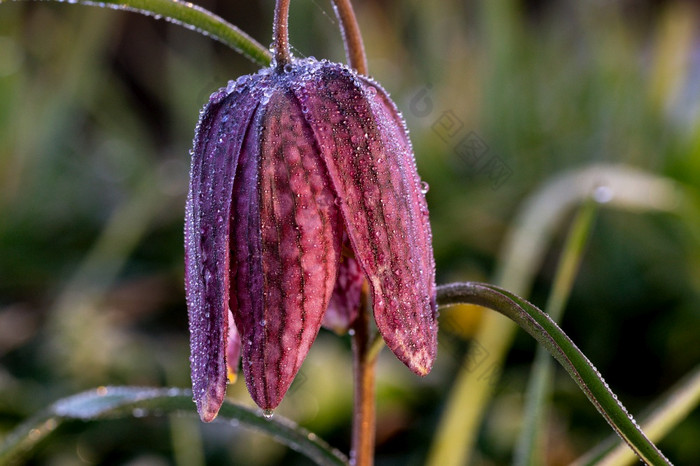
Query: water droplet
424	187
603	194
288	68
267	413
338	201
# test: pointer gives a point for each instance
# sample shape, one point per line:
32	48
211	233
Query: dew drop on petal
424	187
267	413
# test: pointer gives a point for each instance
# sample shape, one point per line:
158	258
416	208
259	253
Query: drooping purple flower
290	166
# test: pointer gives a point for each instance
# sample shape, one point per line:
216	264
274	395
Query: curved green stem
523	252
192	17
529	449
674	406
546	332
119	402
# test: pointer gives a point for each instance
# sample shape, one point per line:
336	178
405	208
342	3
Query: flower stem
280	33
540	326
364	416
531	444
192	17
350	29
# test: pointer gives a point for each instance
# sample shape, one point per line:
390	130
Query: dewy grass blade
192	17
617	187
119	402
536	398
545	331
674	406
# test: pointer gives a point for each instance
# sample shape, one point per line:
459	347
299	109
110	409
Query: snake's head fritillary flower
303	185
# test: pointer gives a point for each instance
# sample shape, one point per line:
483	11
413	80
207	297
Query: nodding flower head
303	185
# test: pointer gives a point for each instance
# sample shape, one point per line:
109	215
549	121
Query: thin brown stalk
280	33
364	416
350	30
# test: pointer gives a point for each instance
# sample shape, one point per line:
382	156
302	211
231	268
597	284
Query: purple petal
218	139
285	247
366	149
346	300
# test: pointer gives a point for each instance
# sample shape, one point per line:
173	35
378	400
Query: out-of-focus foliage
97	113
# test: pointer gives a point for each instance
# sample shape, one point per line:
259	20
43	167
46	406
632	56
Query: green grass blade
675	406
546	332
192	17
526	243
119	402
527	451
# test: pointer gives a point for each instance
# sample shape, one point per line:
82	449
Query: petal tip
421	363
208	411
209	404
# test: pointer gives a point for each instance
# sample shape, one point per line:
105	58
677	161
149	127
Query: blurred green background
97	113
